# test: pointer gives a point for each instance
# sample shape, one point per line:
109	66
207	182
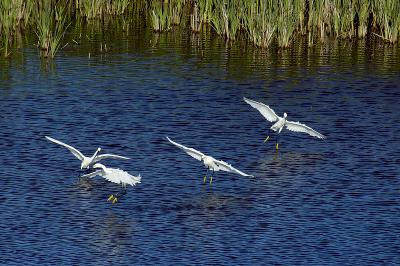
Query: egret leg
267	138
119	195
277	142
205	177
211	177
111	197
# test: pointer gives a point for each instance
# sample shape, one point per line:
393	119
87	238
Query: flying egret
211	164
281	122
114	175
87	162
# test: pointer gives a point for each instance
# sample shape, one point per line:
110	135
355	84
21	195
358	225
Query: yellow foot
204	179
111	197
266	139
114	200
277	146
210	180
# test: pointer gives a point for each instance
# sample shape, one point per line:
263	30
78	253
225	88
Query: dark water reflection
314	203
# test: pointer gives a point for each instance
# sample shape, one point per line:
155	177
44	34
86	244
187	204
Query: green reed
51	23
362	7
91	8
160	16
286	22
258	22
261	21
14	15
388	19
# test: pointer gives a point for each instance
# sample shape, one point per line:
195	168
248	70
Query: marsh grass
51	25
286	22
260	21
14	15
160	17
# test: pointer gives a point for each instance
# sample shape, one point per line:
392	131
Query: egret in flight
87	162
281	122
114	175
211	164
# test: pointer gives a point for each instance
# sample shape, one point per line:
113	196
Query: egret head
284	115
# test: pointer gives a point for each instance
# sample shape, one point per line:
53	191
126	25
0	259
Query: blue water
315	202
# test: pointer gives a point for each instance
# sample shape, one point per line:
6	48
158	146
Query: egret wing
74	151
264	109
192	152
119	176
299	127
92	174
109	156
229	168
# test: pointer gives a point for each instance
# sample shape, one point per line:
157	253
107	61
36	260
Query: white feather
87	162
74	151
109	156
264	109
114	175
209	162
192	152
299	127
229	168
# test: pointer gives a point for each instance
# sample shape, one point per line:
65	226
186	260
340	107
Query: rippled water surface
332	202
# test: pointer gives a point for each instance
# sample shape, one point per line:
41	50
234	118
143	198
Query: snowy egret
87	161
114	175
211	164
281	122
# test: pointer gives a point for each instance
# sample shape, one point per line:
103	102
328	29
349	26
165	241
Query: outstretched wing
299	127
229	168
264	109
92	174
109	156
192	152
74	151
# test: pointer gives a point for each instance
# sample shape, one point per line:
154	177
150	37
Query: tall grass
286	22
14	15
160	19
260	21
51	25
387	19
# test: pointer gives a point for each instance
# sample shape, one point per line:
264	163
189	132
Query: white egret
114	175
211	163
281	122
87	162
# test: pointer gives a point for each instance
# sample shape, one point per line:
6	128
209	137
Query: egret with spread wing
211	164
87	162
114	175
281	122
